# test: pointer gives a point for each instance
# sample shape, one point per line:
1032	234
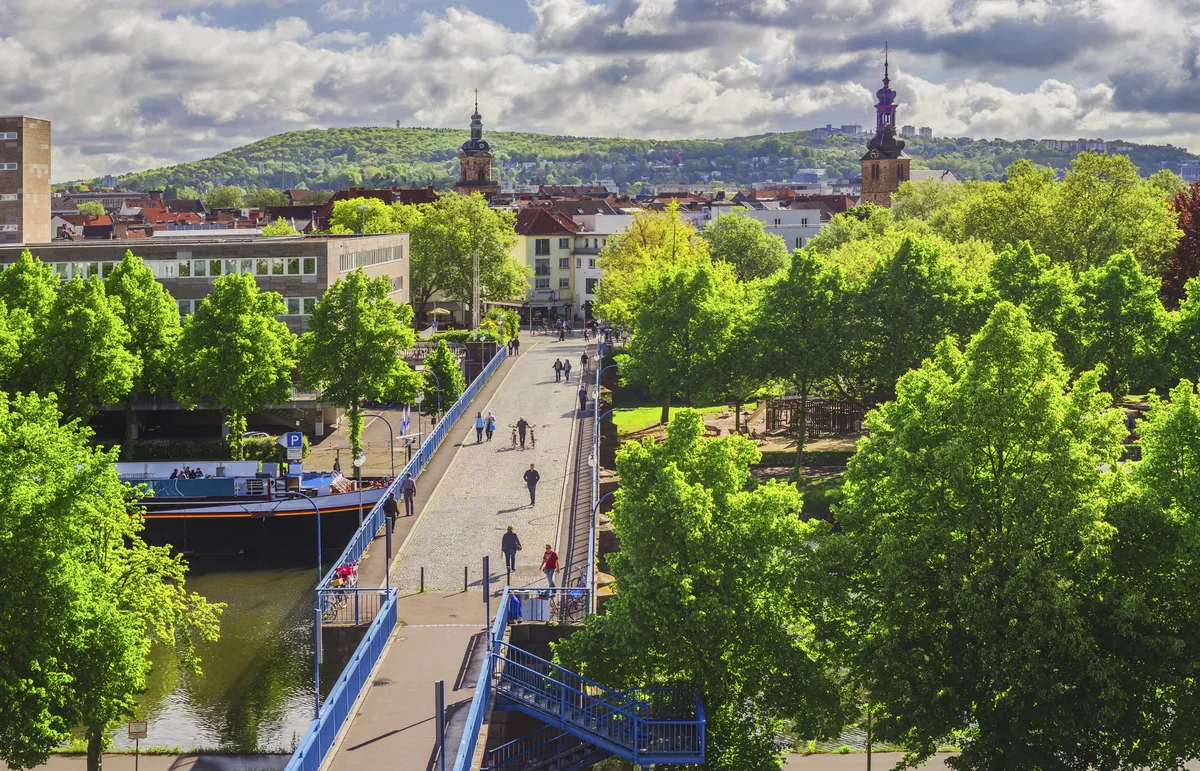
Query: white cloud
143	83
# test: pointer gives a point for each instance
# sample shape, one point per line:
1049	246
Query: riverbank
125	762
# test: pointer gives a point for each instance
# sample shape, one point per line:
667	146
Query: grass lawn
630	420
821	494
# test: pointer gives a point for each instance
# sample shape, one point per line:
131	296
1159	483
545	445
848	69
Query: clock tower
885	165
475	160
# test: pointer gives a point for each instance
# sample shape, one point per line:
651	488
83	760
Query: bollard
422	580
464	578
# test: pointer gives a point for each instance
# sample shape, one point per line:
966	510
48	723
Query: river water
256	690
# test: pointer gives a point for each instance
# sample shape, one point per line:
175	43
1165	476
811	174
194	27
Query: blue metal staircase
662	725
546	749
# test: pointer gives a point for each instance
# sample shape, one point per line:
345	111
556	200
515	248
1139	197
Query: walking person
583	360
392	510
408	488
567	370
522	427
583	398
478	427
549	564
510	544
558	370
531	480
517	346
490	425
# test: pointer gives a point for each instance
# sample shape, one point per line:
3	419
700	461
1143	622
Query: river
256	690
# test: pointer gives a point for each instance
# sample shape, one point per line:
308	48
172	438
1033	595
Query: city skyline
141	84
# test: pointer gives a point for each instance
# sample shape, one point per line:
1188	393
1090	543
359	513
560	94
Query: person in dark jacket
583	399
392	510
408	488
531	480
510	544
558	370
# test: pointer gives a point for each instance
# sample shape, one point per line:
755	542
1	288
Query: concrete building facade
24	180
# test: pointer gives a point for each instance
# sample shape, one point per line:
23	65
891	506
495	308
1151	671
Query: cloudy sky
131	84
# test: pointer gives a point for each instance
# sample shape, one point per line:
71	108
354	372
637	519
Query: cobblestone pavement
483	492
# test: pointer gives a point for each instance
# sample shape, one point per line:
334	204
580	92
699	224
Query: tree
909	303
1167	183
264	197
446	235
742	242
717	592
352	348
1046	291
316	197
94	208
1183	335
362	215
801	330
1184	262
1122	324
181	192
28	289
72	557
972	556
224	197
684	317
151	317
235	351
653	240
279	228
442	382
86	359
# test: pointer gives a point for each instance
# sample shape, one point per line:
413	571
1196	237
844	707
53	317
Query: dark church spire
885	139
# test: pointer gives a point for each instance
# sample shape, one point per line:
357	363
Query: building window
9	197
799	243
579	262
875	171
592	262
276	266
591	285
309	266
778	222
804	222
262	267
293	306
309	305
214	268
185	268
8	167
564	283
541	283
246	266
231	267
293	266
564	243
8	135
186	307
541	246
200	268
564	263
541	267
369	257
106	268
8	228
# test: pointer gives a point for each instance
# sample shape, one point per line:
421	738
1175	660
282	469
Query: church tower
885	165
475	160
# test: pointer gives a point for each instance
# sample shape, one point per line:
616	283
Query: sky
135	84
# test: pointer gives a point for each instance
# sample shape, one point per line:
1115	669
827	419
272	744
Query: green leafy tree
224	197
86	359
1122	324
279	227
717	594
181	192
442	380
91	207
802	330
684	318
316	197
264	197
1183	334
363	215
973	556
352	348
445	236
1168	183
1046	291
742	242
909	303
28	289
236	352
151	317
655	240
72	556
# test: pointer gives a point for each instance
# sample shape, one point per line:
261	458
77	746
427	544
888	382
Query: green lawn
821	494
633	419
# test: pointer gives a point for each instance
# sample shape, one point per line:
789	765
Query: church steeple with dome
475	160
885	165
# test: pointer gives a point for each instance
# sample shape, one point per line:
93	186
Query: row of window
803	222
296	306
7	135
8	228
591	262
10	196
369	257
542	245
8	167
590	285
256	266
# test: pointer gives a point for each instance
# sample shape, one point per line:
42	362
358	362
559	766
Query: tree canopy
742	242
442	381
224	197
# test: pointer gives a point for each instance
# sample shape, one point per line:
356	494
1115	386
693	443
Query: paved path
482	491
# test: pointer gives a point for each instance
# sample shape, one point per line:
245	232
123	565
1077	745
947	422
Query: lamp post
317	608
362	218
391	432
358	464
437	380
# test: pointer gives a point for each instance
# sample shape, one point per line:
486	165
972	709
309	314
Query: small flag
406	421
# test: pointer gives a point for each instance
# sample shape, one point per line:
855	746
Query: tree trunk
801	429
130	422
666	411
95	748
737	417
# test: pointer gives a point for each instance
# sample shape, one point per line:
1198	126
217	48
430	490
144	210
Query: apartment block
24	180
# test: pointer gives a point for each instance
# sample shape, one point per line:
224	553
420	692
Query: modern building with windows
24	180
546	243
298	268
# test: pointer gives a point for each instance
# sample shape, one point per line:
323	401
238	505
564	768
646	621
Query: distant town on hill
338	158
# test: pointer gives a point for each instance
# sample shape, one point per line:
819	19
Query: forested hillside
338	158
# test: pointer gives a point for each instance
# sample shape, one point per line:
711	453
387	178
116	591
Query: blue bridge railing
324	730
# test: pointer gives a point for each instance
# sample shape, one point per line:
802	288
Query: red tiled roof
538	221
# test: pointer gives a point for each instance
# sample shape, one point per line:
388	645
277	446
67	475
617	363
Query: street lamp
391	448
362	218
358	464
317	608
437	380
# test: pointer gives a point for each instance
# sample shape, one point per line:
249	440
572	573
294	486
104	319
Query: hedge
811	458
468	336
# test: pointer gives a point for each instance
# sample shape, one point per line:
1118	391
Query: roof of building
184	204
582	206
542	221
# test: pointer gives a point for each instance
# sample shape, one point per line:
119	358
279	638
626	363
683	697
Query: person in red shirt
549	564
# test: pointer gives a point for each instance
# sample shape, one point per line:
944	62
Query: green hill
341	157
